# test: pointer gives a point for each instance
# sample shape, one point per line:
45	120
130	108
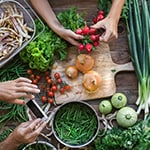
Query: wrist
9	143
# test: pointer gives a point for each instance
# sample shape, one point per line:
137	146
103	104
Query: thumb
18	101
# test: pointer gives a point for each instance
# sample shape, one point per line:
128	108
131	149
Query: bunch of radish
91	39
91	35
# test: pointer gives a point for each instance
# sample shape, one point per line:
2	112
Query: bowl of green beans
39	145
75	124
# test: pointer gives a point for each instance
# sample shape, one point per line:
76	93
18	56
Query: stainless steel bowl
69	144
52	147
28	20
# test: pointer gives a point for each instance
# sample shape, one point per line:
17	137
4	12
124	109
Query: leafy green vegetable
136	137
41	53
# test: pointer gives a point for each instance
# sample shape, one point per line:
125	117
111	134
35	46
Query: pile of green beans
11	71
75	123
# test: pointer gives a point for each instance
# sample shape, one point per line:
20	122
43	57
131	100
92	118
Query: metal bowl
48	145
15	8
83	106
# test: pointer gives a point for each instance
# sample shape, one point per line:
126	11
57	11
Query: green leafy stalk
138	27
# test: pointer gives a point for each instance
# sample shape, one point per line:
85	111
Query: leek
138	28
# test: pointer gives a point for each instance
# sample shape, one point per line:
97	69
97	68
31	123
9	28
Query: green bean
75	123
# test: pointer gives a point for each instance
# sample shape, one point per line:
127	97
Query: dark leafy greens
133	138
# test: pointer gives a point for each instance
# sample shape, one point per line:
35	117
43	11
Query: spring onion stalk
138	27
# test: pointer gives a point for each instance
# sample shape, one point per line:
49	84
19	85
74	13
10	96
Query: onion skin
71	72
84	62
92	81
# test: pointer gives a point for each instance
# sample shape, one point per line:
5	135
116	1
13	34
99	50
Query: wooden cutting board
103	65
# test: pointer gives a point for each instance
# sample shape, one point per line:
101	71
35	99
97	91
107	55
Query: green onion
138	27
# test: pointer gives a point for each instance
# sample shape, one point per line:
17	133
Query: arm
45	11
11	91
25	133
110	23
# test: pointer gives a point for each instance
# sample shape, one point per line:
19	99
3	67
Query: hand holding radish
109	25
11	91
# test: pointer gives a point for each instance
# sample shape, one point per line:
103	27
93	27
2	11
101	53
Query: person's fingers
73	42
32	125
22	79
17	101
27	88
39	128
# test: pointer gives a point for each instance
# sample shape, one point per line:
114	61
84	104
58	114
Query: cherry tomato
54	88
59	80
67	87
29	71
62	90
49	81
35	81
44	99
47	73
38	77
50	100
32	76
56	75
50	94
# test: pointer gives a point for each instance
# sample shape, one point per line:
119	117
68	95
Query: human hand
28	132
70	36
110	29
11	91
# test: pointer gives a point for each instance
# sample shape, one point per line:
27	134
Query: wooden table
126	82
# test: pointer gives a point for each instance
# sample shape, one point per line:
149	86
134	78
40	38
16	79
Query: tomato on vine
56	75
54	88
44	99
51	94
67	87
50	100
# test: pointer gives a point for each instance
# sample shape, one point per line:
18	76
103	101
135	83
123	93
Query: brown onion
84	62
92	80
71	72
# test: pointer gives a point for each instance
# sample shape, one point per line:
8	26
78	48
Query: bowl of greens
75	124
39	145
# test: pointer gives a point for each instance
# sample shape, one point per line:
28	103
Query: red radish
85	30
96	43
93	37
79	31
100	17
88	47
92	31
81	47
101	12
95	20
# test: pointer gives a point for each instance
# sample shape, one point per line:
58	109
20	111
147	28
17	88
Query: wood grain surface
103	65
